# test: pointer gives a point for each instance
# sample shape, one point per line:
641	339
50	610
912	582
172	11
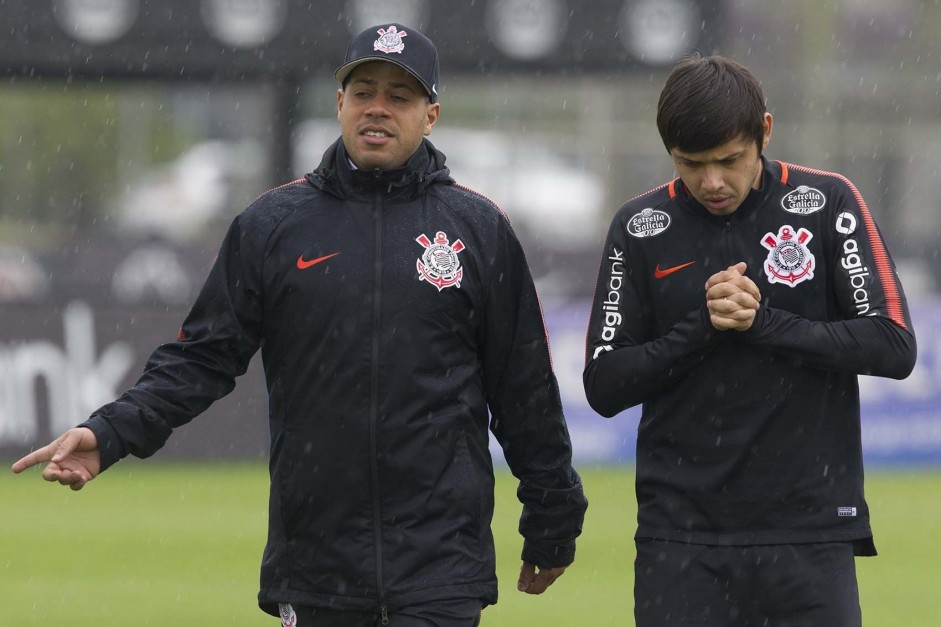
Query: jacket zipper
374	399
730	251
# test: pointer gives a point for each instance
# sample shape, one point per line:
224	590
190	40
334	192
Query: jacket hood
335	176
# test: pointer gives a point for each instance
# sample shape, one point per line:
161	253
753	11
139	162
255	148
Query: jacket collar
770	174
334	175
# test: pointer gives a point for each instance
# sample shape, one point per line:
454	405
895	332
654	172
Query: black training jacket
392	309
748	437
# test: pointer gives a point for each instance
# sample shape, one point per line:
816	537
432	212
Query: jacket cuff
110	448
548	556
710	334
754	332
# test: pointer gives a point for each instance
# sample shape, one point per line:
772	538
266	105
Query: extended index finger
56	450
38	456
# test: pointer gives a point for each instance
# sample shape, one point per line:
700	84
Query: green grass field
166	545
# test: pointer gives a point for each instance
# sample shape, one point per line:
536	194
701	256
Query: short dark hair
708	101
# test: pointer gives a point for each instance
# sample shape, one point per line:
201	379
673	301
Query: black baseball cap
395	43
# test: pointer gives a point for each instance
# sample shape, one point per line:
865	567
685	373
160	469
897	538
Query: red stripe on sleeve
274	189
893	298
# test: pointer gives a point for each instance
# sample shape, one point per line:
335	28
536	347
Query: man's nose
379	107
712	179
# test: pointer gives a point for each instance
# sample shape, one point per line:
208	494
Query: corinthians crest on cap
439	264
390	40
387	42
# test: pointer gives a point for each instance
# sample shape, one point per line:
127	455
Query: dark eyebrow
373	82
729	157
402	86
368	81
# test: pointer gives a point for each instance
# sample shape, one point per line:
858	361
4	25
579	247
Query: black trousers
789	585
453	613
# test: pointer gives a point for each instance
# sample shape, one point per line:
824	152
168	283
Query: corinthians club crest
288	617
789	260
439	264
390	40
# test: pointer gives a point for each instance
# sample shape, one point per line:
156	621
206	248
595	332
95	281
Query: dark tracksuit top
398	322
748	437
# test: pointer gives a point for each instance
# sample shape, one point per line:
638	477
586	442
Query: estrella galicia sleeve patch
803	201
648	223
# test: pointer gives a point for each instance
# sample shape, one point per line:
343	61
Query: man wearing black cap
398	321
404	62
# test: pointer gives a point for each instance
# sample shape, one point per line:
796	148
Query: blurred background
133	131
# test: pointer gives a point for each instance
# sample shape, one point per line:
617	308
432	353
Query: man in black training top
397	321
738	303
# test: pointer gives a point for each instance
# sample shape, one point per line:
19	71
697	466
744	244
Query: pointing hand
73	458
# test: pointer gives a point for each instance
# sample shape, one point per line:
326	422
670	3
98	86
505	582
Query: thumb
527	575
740	267
67	443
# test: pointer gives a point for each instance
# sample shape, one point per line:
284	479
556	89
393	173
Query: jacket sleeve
626	363
871	331
182	378
526	409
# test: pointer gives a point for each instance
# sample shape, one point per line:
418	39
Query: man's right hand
73	458
535	580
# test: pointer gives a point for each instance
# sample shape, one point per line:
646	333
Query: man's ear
768	123
433	112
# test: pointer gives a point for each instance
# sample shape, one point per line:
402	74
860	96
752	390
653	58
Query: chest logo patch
648	223
439	264
789	260
803	201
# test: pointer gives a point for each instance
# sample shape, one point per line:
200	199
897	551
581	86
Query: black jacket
748	437
392	310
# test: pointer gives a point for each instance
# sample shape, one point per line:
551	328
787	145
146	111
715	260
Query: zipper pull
384	611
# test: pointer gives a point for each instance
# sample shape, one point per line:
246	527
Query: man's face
384	113
721	178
